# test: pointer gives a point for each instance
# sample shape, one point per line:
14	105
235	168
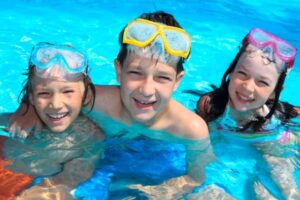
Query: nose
56	101
248	86
147	87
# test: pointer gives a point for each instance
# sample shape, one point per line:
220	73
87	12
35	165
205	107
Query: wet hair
213	104
158	16
28	87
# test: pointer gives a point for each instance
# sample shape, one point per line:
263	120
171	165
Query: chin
143	119
58	129
242	108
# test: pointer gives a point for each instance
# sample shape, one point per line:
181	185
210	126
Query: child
57	87
252	84
248	102
149	68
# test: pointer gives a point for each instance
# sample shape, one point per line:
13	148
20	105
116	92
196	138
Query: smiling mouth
244	98
144	104
58	116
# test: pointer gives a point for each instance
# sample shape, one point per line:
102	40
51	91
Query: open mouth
141	104
57	116
243	98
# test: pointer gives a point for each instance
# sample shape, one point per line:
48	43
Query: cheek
231	87
37	102
266	93
76	100
166	91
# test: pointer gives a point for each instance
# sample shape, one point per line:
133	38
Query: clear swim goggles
58	60
141	32
262	40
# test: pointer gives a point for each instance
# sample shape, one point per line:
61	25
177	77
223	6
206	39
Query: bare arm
22	123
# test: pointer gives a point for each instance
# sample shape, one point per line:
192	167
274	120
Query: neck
243	117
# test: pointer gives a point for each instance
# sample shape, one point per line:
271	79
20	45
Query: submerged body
64	159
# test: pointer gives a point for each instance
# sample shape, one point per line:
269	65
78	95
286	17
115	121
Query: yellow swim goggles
141	32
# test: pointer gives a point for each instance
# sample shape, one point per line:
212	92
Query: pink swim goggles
261	39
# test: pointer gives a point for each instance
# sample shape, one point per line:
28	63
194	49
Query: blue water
216	28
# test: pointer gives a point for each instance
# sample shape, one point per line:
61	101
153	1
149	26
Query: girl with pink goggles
262	39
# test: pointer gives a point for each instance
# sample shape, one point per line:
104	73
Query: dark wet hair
213	104
158	16
28	87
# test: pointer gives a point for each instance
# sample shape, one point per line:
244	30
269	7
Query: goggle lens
177	41
141	33
45	55
262	39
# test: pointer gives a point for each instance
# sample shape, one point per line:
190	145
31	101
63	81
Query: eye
134	72
242	73
43	94
165	78
69	91
263	83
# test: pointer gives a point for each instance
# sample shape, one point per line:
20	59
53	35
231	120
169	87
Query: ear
178	79
89	96
118	69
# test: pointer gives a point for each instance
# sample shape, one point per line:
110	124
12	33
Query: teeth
145	102
57	116
246	98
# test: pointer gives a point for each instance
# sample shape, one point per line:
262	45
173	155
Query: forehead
260	61
257	68
263	57
55	83
136	61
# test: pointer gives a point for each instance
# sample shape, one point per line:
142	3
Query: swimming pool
216	28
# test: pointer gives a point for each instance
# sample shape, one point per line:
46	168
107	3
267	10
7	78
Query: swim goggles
262	40
141	32
46	57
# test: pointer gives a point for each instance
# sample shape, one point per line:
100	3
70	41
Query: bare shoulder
191	125
201	103
106	98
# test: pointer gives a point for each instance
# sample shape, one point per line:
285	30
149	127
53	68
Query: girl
251	86
247	105
58	86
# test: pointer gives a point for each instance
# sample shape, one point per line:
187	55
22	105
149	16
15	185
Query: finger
12	130
23	133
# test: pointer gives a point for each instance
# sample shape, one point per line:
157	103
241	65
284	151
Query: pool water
216	28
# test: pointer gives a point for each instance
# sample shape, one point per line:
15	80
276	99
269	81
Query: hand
22	123
174	188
